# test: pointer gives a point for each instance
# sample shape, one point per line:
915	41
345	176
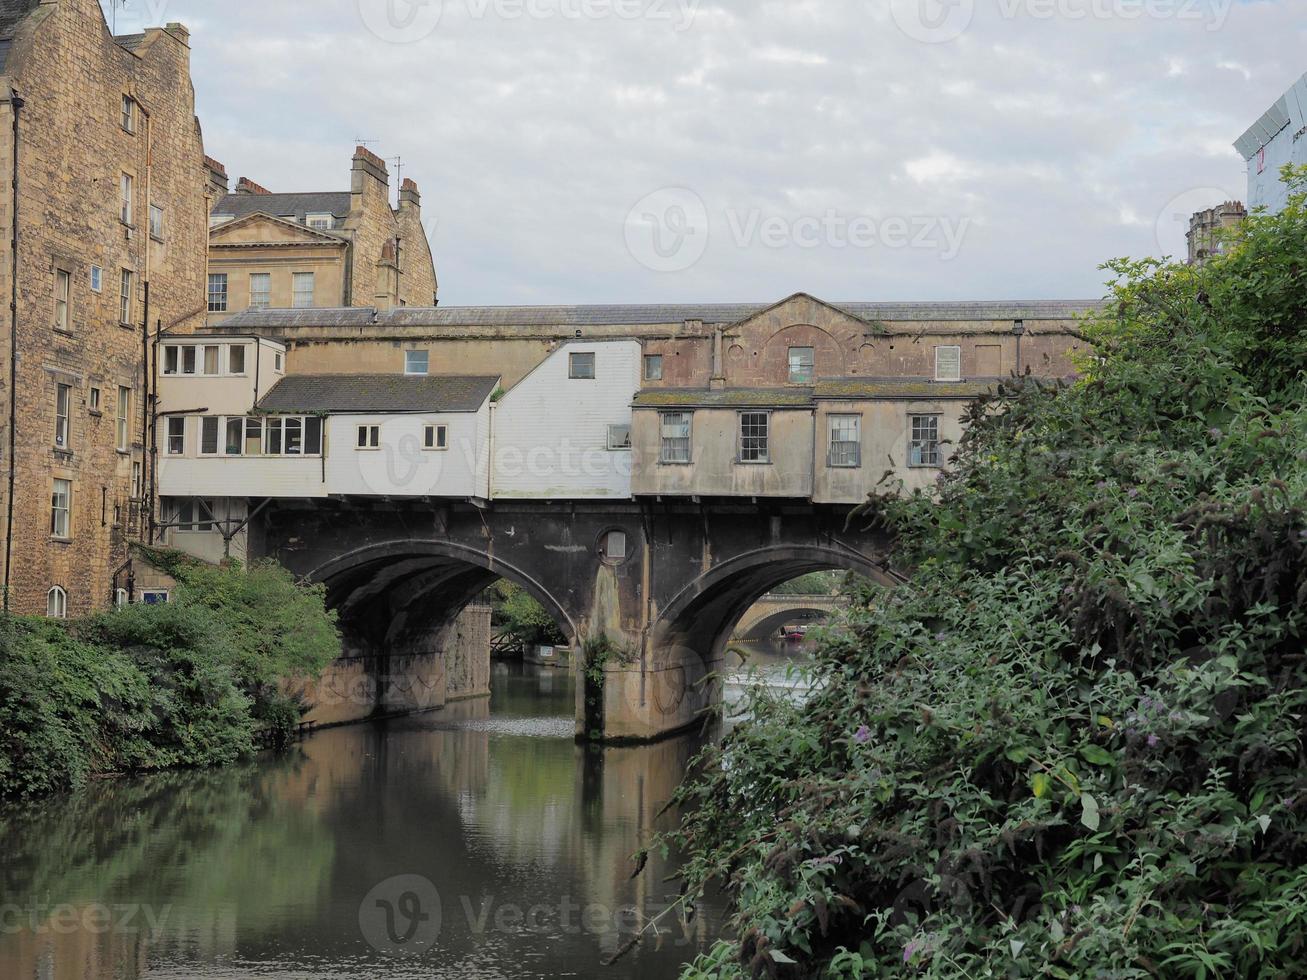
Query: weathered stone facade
353	247
106	134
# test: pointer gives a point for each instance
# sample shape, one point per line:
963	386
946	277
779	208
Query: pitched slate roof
566	317
724	398
12	11
129	41
896	388
381	393
300	205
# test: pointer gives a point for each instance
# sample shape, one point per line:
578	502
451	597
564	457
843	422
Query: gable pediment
802	309
261	228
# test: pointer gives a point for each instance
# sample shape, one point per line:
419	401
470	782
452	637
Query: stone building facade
99	135
316	250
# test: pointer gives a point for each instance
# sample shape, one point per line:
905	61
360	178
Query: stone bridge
773	611
647	592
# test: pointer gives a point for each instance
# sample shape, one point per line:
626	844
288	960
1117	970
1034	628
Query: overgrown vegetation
1073	746
192	682
515	612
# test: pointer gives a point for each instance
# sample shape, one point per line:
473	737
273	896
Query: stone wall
73	149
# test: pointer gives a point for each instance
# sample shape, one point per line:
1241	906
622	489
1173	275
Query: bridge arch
767	625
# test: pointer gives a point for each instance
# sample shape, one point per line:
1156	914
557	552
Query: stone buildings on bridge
103	212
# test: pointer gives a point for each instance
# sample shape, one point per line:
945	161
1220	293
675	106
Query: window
63	395
138	483
320	221
253	437
156	222
260	290
209	435
188	360
619	437
614	546
581	366
369	437
176	435
154	597
293	436
753	437
303	290
125	297
234	444
56	603
276	361
129	114
653	367
236	359
416	361
435	437
211	355
128	188
60	507
94	400
845	441
124	414
923	449
803	364
120	598
97	279
218	293
948	363
272	439
313	435
189	514
63	283
675	431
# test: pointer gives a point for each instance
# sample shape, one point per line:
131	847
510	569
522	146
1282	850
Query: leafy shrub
185	683
1073	745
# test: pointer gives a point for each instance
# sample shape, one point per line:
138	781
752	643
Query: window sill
925	466
95	412
155	238
753	462
63	331
126	326
675	462
844	466
55	539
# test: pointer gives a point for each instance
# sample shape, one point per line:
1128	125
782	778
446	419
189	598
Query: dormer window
323	222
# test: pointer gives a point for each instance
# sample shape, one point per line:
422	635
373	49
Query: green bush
1073	745
191	682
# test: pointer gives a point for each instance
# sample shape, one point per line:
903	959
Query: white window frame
942	372
63	300
124	416
217	427
844	453
175	435
761	448
219	294
128	114
367	438
126	297
231	353
211	360
121	598
156	222
617	444
671	449
917	456
650	361
155	597
575	359
411	366
127	198
435	437
610	551
56	603
93	400
799	372
302	299
322	222
63	403
260	299
61	510
97	279
278	362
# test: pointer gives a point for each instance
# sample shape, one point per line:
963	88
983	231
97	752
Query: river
475	842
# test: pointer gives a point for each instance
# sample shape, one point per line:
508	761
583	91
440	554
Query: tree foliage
1073	745
192	682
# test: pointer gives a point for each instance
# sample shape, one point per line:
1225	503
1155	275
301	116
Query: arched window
56	603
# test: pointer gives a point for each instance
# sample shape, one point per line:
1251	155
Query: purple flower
909	949
940	637
1134	492
863	735
1153	741
1101	485
1214	433
1289	803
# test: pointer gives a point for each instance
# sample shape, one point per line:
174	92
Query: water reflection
261	870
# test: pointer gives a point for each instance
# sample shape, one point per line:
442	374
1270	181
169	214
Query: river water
475	842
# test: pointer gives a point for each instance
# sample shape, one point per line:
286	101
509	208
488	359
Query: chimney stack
409	195
247	186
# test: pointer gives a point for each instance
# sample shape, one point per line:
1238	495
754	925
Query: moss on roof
905	388
724	398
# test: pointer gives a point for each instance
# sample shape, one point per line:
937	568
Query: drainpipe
1019	331
148	381
16	104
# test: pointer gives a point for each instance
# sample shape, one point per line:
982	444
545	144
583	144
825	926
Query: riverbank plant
192	682
1073	745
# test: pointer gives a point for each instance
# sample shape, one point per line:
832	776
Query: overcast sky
596	151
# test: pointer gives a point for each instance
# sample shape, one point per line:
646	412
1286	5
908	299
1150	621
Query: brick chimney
409	195
367	163
247	186
216	177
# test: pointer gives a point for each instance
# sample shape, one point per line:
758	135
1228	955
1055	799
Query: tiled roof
129	41
903	388
382	393
724	398
282	205
12	11
582	316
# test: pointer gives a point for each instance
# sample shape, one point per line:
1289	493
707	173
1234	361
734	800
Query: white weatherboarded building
564	431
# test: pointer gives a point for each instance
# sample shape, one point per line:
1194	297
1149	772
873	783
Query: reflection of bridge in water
772	612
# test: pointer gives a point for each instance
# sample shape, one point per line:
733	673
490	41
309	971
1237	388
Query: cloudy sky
594	151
